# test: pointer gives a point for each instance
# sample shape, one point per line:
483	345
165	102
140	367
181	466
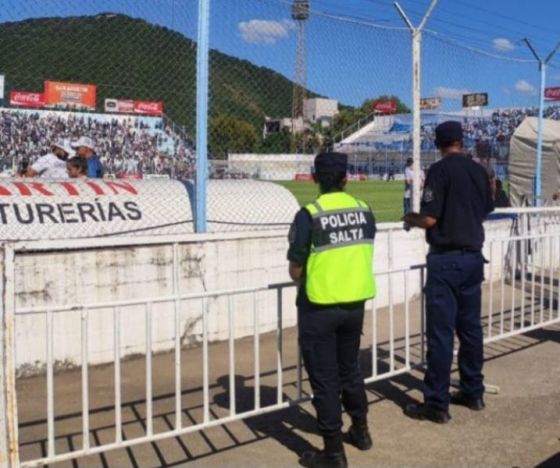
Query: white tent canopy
522	162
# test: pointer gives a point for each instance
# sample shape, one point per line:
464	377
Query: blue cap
448	132
331	162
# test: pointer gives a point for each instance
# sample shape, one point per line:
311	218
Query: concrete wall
78	273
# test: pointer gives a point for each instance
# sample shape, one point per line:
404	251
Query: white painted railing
522	294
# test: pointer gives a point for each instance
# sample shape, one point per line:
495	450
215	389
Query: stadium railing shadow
282	426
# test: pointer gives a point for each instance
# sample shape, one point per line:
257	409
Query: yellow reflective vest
340	266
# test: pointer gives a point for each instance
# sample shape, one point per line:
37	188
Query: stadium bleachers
495	127
126	144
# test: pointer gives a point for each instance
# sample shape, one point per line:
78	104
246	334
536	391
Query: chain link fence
286	80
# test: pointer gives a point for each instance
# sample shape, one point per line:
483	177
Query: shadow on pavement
279	425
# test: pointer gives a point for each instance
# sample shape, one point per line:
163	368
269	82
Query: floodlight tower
300	14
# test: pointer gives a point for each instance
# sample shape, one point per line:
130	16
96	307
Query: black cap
331	162
448	132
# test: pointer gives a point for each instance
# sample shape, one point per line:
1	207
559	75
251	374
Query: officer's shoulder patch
428	195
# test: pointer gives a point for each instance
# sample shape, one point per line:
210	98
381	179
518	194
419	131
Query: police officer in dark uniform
331	256
457	198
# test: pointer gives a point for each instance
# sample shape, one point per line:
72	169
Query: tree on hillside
231	135
277	143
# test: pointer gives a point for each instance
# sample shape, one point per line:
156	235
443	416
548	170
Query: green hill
130	58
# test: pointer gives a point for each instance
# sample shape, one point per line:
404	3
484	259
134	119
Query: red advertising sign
552	94
385	107
119	105
79	95
148	108
303	177
23	98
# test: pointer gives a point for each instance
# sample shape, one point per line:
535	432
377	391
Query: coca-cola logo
151	106
386	106
147	107
552	93
25	98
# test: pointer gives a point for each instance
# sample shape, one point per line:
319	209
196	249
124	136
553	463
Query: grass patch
385	198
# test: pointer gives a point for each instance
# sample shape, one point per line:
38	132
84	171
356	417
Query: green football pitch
386	198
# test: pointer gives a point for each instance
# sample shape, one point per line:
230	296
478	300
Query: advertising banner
148	107
475	100
77	208
70	94
119	105
552	94
431	103
385	107
26	99
1	86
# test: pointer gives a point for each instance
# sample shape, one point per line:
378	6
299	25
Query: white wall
100	271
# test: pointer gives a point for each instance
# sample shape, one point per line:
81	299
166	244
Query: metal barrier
523	294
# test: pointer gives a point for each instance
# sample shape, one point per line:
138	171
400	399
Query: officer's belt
452	250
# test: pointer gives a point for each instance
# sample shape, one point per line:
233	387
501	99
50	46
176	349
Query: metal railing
522	294
391	347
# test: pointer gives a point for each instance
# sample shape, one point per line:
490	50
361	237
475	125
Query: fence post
416	121
537	185
9	449
202	55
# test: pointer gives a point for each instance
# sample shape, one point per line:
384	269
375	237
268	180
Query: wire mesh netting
119	72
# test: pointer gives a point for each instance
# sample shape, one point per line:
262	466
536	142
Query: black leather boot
332	457
358	435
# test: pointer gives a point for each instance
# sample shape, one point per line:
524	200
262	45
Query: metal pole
416	120
537	184
202	114
538	168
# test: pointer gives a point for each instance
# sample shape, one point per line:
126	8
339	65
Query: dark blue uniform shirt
457	192
300	247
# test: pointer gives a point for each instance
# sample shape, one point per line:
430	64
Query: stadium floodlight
416	43
537	180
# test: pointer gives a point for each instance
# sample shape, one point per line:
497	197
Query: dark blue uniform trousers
453	299
330	344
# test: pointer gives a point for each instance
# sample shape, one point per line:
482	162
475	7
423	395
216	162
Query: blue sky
358	49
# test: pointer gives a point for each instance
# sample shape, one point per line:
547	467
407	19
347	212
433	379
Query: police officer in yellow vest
331	256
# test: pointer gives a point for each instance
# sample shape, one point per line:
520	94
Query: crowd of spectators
495	129
124	145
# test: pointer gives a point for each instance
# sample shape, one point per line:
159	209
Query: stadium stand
496	127
127	145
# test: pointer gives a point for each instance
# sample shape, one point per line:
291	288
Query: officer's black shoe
475	404
424	412
322	459
358	436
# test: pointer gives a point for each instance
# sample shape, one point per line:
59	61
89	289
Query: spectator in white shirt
52	165
408	185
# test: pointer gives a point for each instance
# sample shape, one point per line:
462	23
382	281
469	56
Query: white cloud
258	31
450	93
524	87
503	45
